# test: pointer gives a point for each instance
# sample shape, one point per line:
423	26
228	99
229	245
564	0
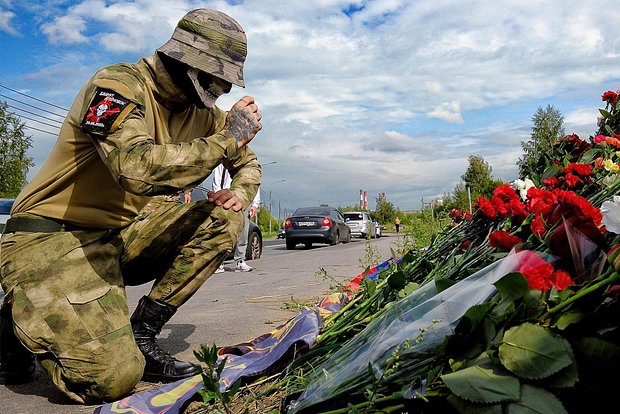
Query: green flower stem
393	397
614	277
345	318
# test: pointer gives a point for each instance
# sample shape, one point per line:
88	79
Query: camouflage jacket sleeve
144	167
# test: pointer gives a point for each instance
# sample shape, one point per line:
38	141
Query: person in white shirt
222	180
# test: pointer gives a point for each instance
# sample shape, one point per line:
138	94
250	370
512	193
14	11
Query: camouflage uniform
130	135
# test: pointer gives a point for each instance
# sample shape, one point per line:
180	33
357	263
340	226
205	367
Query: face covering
208	88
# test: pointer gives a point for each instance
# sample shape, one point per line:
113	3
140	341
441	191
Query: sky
385	96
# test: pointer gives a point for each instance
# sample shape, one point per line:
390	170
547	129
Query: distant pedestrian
222	180
397	225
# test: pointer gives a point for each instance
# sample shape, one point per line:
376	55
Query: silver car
361	224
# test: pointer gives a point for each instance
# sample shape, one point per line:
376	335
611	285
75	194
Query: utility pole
269	211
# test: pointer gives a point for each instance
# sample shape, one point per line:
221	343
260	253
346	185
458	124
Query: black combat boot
17	363
146	322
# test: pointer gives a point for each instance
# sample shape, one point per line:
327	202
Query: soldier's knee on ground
108	373
118	380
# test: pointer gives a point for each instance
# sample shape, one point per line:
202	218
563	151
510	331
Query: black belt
36	225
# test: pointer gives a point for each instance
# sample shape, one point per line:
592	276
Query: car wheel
336	239
308	245
290	245
255	247
348	240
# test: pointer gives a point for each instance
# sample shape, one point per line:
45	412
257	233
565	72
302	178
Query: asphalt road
230	308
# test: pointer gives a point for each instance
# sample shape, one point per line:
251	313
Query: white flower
611	215
522	186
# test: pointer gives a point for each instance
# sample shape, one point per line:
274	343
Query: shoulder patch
106	111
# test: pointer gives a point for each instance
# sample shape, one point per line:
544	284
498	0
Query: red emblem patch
103	115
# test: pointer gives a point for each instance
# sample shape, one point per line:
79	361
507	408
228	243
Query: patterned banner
247	360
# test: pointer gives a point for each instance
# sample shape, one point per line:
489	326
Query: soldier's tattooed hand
225	198
243	120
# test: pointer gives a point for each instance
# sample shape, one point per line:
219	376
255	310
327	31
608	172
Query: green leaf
221	366
536	401
566	378
408	289
589	156
442	284
466	407
605	113
483	385
597	352
472	318
568	318
609	130
369	285
550	172
533	352
397	280
512	286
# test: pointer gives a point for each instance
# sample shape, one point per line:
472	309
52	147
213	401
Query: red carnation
506	193
541	201
517	208
609	96
561	279
552	182
584	170
538	226
500	206
503	240
486	207
571	180
536	271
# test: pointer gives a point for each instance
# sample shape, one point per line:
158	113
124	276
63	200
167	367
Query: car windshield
5	206
311	211
353	216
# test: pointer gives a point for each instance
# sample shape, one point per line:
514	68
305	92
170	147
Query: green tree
459	198
14	164
548	128
478	178
385	211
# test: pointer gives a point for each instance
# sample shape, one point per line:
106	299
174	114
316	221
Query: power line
40	130
34	120
32	106
35	114
32	97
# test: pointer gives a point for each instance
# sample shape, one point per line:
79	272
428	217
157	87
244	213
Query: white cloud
65	30
448	111
400	92
6	24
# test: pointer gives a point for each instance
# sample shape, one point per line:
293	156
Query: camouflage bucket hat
211	41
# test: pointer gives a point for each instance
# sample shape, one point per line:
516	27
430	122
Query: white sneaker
242	266
219	269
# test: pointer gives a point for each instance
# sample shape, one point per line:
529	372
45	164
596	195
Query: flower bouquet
511	309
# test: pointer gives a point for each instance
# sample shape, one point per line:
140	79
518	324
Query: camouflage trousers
67	292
